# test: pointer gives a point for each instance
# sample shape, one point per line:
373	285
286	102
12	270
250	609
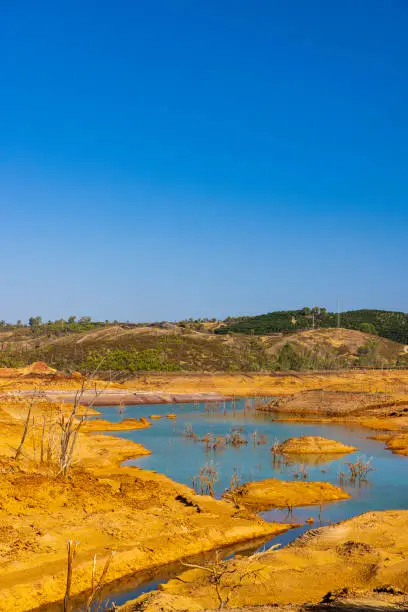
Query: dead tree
71	425
235	484
72	549
97	586
42	451
204	482
227	577
27	427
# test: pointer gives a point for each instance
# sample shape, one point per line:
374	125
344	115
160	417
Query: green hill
304	339
388	324
168	347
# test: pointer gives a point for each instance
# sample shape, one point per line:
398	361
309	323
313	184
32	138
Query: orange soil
267	385
305	445
139	513
125	425
275	493
367	552
143	516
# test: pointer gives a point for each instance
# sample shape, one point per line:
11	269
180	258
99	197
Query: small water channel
181	458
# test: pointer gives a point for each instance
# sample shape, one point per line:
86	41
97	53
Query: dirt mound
275	493
366	555
329	403
125	425
39	367
341	342
313	444
398	444
354	550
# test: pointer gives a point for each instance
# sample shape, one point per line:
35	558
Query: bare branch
97	587
26	426
72	549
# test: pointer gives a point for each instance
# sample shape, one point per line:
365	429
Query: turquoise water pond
181	458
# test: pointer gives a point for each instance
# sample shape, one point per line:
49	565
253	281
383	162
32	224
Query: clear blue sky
167	159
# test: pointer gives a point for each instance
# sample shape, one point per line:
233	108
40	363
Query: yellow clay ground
267	385
367	552
306	445
124	425
143	516
275	493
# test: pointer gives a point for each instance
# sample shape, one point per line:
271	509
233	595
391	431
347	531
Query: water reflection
180	457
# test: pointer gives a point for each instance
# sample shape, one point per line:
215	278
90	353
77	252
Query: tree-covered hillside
303	339
389	324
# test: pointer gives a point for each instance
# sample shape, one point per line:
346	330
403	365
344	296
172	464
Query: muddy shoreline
146	518
136	512
111	397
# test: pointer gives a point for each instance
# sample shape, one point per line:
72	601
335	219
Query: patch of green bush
389	324
132	360
293	358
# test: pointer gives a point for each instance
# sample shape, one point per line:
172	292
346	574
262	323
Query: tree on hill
85	320
388	324
368	328
35	322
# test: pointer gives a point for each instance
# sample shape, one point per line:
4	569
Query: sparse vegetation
235	437
259	439
300	472
235	484
93	603
70	425
130	360
189	432
290	357
275	448
72	550
225	579
27	425
204	482
389	324
207	345
358	470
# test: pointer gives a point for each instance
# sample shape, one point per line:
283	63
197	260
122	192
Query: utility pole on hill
338	312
